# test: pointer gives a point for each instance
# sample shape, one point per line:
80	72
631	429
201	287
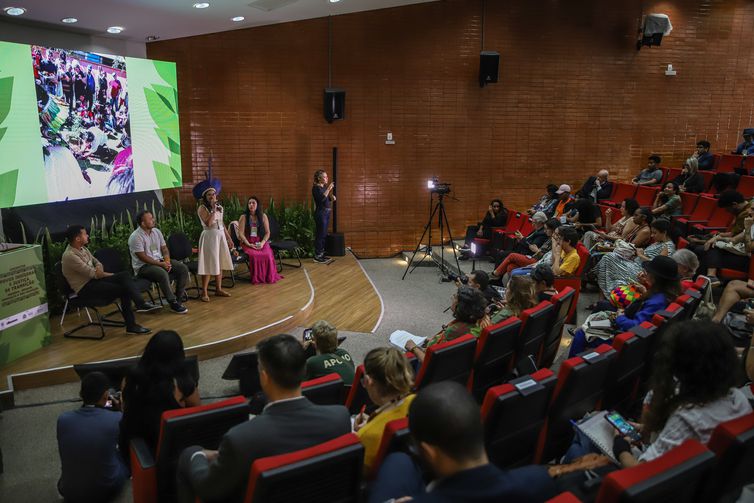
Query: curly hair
470	305
695	364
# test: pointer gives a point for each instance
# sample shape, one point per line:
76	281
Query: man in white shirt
150	259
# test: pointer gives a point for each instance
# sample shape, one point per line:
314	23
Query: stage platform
340	292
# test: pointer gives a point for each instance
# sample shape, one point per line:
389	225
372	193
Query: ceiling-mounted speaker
489	67
335	104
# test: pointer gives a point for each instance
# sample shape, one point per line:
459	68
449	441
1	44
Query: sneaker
321	259
178	308
182	296
146	307
137	329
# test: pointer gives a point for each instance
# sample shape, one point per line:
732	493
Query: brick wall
574	96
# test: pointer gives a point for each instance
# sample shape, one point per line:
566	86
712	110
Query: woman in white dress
214	251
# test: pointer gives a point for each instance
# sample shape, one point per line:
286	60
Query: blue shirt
91	464
706	161
651	305
743	147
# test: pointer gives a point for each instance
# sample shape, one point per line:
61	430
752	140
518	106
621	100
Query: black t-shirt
320	199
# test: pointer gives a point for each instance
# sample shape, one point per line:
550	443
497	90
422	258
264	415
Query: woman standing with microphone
214	248
322	192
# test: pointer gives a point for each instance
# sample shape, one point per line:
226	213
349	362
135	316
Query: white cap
563	188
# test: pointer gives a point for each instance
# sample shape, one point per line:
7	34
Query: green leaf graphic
6	92
167	72
8	188
2	132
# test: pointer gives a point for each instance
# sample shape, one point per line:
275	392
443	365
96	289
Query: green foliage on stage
296	222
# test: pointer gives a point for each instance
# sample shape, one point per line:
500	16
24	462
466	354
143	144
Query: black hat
662	267
749	131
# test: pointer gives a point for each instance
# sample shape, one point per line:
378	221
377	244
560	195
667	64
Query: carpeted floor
27	433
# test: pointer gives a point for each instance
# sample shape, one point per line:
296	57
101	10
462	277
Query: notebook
399	338
600	432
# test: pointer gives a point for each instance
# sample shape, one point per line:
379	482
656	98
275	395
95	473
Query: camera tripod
442	217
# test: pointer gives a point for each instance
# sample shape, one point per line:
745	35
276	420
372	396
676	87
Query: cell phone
308	334
624	427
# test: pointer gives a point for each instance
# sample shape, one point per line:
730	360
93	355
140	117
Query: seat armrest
141	453
144	472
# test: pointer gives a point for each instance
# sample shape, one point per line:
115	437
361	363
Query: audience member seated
584	215
546	203
533	253
690	180
150	259
92	469
735	292
289	422
469	309
747	146
89	280
161	381
565	202
519	296
329	358
692	389
621	229
703	155
446	427
658	283
729	249
544	283
254	237
565	258
388	379
481	281
688	263
668	201
526	245
597	187
622	266
652	174
496	216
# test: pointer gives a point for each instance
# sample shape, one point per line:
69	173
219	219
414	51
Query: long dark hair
205	201
695	364
259	214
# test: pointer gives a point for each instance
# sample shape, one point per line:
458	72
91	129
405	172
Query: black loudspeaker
335	245
489	63
335	104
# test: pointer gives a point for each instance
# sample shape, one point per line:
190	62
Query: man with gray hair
530	244
597	187
688	263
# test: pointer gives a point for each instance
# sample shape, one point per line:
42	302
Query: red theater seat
632	351
494	355
566	497
645	195
726	274
719	221
325	390
563	301
153	475
678	475
328	472
621	191
448	361
357	395
733	444
580	388
729	162
537	322
701	214
746	186
513	414
395	438
688	203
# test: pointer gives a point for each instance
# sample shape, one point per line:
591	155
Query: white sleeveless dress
214	255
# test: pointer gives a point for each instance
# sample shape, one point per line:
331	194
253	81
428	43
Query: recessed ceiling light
237	18
201	5
69	20
334	1
14	11
115	29
151	38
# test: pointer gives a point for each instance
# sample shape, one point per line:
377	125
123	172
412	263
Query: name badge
253	233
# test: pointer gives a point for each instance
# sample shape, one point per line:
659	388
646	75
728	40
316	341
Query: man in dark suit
597	187
446	426
289	422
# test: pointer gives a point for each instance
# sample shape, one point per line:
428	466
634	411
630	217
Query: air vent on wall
270	5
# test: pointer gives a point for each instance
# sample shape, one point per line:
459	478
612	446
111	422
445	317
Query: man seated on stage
289	422
703	156
92	468
597	187
747	147
88	279
150	259
446	427
652	174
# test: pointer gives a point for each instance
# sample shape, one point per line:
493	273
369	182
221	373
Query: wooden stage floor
340	293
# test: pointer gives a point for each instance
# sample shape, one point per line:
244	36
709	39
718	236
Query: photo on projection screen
75	125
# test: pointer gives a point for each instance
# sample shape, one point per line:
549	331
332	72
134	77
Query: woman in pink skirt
254	233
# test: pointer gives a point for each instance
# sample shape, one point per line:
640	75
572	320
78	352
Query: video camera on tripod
436	187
